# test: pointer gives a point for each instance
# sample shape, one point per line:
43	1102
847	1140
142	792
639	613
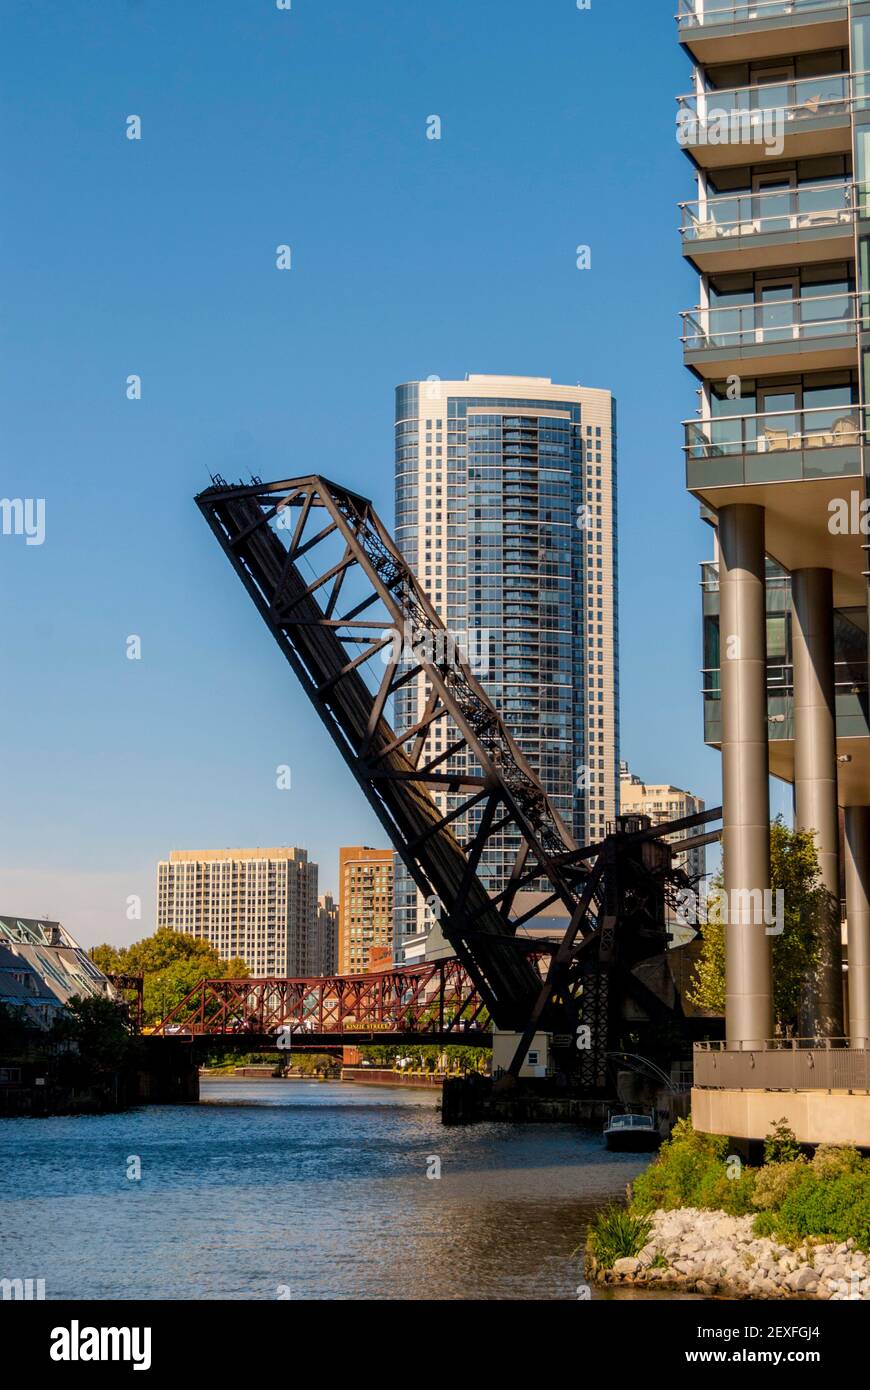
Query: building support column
745	795
815	761
858	916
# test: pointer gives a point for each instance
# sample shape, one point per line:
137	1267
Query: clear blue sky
411	257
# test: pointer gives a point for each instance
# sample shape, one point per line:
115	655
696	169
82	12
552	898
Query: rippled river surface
317	1189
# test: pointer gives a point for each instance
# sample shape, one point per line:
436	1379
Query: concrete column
858	914
815	761
745	798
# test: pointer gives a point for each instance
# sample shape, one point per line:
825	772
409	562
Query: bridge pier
167	1073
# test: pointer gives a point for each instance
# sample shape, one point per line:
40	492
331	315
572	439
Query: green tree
428	1056
100	1030
794	868
171	963
315	1063
16	1035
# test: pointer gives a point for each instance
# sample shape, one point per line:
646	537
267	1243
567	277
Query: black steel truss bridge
357	627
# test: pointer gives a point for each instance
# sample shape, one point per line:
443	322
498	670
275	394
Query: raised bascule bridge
357	627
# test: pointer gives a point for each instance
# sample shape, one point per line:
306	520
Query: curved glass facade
505	508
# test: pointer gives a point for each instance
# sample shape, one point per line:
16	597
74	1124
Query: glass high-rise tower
506	510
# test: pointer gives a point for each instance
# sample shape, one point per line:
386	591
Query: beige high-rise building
327	935
662	802
258	904
366	905
506	511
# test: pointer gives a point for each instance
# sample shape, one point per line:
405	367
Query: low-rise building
663	802
42	968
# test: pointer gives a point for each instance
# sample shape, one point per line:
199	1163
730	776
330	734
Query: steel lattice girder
434	999
323	645
613	892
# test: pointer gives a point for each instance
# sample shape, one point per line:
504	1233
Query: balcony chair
705	231
845	432
775	440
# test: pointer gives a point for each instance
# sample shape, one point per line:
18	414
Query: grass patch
617	1234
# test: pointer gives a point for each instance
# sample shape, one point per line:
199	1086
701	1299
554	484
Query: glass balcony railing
702	116
850	678
829	428
805	207
696	14
769	321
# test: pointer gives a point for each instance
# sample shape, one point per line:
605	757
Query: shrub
716	1191
775	1181
685	1136
689	1166
617	1234
781	1146
765	1223
794	1200
831	1160
837	1207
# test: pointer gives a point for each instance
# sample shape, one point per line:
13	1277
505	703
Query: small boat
632	1131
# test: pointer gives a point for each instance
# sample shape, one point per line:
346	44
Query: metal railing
694	14
770	321
807	206
775	576
805	98
850	678
784	1064
773	432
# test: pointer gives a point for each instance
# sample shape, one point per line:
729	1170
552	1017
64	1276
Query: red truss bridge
435	1002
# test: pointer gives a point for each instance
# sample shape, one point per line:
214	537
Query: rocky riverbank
710	1253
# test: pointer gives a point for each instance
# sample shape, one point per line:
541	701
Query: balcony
801	466
732	31
780	446
816	332
787	119
808	223
850	702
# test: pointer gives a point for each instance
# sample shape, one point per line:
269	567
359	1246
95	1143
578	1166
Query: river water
300	1189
